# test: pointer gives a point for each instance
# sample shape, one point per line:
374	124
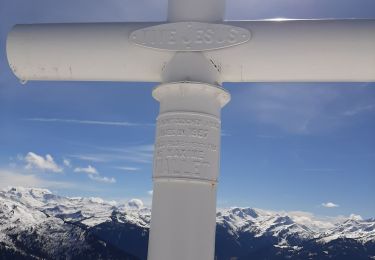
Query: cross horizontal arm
289	51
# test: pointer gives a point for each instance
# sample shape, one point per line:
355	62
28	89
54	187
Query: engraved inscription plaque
190	36
187	146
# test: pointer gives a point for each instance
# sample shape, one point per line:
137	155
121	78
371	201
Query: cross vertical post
187	147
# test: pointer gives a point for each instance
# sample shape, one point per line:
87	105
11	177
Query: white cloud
89	169
94	175
355	217
330	205
135	203
102	179
307	218
318	222
90	157
127	168
85	122
133	154
150	192
35	161
67	163
359	109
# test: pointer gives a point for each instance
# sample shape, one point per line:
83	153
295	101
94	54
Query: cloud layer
127	168
85	122
306	108
131	154
12	178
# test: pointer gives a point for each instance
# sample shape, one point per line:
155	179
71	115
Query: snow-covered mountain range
37	224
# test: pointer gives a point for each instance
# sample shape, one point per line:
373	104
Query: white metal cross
191	56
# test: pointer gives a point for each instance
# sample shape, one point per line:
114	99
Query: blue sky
284	146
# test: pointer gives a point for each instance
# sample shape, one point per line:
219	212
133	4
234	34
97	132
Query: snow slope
60	224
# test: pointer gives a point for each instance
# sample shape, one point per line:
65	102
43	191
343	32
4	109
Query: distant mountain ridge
37	224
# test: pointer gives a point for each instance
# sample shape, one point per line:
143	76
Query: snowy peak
262	223
296	226
358	229
40	223
244	212
33	197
